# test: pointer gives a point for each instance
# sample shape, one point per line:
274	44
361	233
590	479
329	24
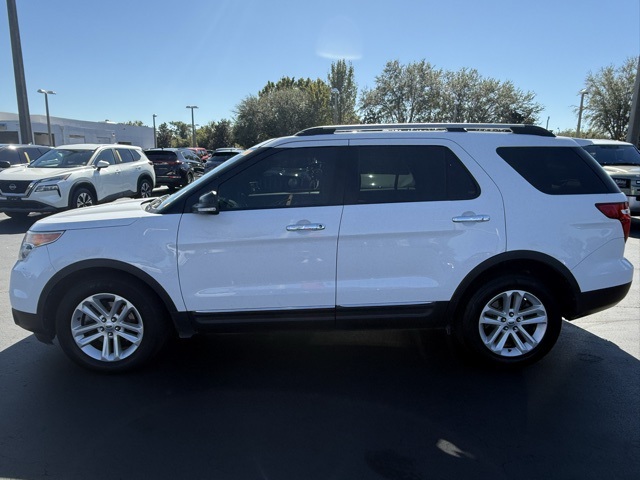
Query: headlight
33	240
47	188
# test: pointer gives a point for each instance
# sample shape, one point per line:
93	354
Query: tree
608	104
403	94
282	108
181	134
344	92
164	136
135	123
419	92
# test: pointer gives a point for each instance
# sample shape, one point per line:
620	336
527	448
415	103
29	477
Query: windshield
614	154
63	158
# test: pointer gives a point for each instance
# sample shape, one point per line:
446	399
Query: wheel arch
550	271
82	184
146	176
58	284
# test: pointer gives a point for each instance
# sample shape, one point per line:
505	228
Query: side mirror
208	203
102	164
5	164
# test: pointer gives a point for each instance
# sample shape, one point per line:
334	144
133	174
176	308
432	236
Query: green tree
403	94
164	136
181	134
223	135
419	92
282	108
608	104
135	123
344	92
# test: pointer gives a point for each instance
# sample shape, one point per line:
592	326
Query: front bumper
33	323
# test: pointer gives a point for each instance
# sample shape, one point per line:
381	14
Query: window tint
107	156
31	154
9	155
293	177
157	156
125	155
414	173
559	170
135	154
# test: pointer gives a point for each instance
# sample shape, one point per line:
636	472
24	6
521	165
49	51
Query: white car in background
74	176
621	160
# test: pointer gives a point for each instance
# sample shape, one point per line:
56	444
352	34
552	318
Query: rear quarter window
559	170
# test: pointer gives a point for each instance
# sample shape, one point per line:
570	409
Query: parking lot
344	405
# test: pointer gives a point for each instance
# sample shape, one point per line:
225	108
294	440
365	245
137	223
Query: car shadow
381	405
9	226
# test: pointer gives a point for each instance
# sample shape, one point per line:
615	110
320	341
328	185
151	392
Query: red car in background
201	152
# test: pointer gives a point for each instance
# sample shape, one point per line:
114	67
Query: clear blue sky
126	60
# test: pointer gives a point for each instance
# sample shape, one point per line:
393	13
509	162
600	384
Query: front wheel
511	321
82	197
110	324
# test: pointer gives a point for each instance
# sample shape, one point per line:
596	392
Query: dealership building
65	131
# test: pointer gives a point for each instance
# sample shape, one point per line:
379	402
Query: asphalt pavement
392	405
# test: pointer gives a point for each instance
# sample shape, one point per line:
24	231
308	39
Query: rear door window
411	173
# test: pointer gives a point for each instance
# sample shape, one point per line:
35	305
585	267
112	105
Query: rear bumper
595	301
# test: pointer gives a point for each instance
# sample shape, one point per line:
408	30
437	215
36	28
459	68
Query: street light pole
583	92
26	133
193	125
155	138
46	106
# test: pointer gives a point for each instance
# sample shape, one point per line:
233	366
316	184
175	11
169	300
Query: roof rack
522	129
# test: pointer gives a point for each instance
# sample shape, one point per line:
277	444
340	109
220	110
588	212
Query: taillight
618	211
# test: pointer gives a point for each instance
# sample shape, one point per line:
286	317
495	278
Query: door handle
471	218
305	227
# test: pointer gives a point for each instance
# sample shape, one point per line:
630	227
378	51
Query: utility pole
633	133
26	134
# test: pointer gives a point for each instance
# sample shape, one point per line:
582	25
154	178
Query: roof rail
523	129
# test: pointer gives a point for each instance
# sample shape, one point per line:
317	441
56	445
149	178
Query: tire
111	324
189	179
510	321
145	188
82	197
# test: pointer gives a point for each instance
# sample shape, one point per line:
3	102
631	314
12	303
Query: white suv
73	176
493	232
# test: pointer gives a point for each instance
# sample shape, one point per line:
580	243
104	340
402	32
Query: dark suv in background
219	156
175	167
20	154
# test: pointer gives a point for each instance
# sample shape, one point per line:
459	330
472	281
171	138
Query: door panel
401	244
251	260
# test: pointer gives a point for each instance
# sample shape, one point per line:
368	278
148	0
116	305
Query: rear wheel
511	321
144	188
110	324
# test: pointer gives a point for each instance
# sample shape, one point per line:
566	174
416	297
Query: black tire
125	328
82	197
510	322
189	179
145	188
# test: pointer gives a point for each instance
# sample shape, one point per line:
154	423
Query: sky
127	60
